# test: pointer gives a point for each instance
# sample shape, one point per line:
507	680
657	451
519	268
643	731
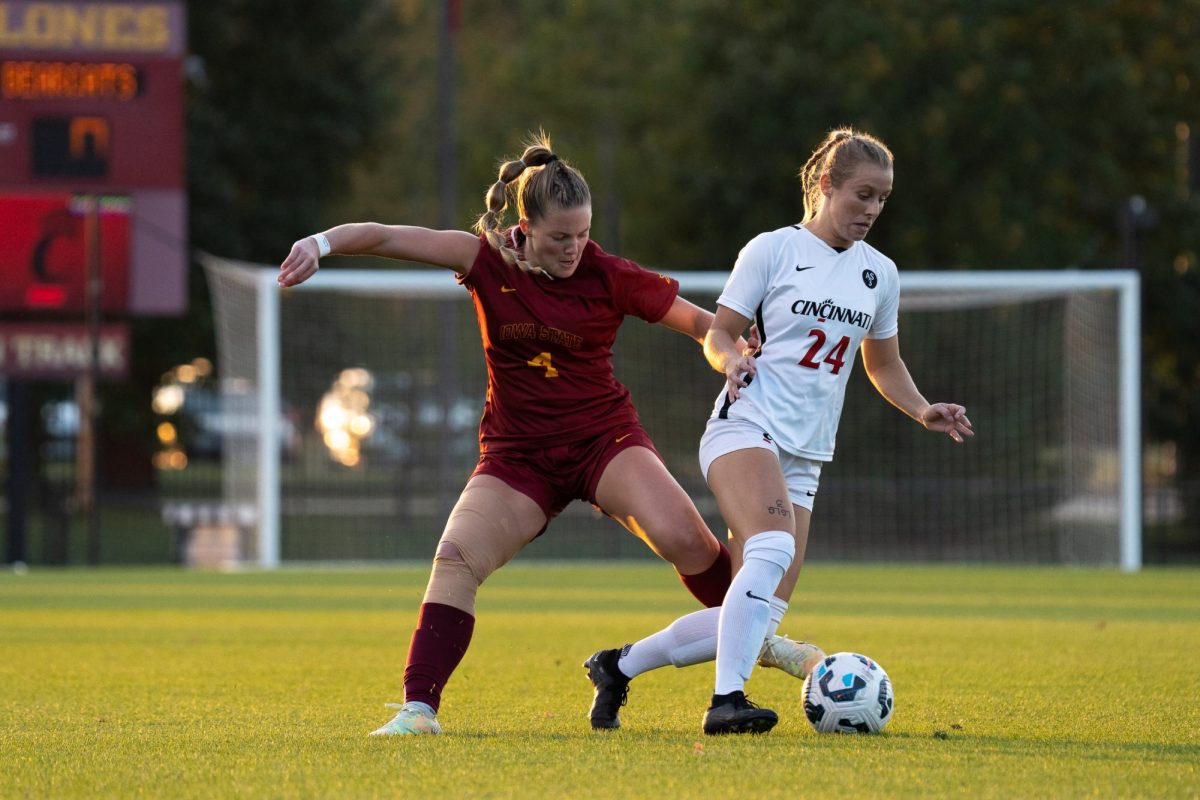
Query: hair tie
551	159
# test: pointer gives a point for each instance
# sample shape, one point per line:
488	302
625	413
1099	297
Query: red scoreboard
91	117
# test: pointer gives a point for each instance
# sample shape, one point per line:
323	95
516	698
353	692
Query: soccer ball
847	693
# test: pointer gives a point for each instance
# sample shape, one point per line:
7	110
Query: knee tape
775	547
452	582
480	537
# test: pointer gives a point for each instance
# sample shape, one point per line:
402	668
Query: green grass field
1010	682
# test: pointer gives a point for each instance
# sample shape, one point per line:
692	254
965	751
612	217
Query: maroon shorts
554	476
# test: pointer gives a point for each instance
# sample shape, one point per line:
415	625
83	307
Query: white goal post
1079	499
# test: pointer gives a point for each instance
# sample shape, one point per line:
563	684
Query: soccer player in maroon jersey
557	425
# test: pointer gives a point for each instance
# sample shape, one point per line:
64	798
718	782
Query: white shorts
723	436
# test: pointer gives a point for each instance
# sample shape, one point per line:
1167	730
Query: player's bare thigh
638	491
751	493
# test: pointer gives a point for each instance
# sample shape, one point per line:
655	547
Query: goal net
365	388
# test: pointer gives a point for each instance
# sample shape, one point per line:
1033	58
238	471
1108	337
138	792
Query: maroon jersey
548	345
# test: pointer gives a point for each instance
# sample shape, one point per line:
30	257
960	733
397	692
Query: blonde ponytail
839	154
542	182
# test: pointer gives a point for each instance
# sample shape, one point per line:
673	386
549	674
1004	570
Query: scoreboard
91	117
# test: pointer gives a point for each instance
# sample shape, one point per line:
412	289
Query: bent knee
685	543
450	556
454	581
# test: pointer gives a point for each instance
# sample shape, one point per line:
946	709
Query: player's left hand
948	418
753	341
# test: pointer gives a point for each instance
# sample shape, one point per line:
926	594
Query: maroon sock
438	644
709	587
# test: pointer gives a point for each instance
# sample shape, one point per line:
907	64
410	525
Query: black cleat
612	689
738	715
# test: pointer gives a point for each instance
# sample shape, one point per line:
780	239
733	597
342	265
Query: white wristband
323	248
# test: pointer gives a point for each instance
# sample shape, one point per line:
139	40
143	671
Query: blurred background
1027	136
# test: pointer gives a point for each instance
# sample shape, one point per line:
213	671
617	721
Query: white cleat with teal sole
413	719
795	658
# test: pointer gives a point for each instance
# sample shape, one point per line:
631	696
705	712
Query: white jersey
814	305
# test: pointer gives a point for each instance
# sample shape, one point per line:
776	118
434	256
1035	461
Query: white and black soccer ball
848	693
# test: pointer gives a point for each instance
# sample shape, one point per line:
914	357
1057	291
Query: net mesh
382	390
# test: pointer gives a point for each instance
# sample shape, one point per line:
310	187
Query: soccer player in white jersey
818	293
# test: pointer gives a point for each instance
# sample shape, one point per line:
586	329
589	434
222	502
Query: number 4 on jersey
543	360
836	357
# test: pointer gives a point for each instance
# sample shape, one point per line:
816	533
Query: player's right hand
301	264
738	372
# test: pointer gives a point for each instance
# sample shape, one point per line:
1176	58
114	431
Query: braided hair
543	182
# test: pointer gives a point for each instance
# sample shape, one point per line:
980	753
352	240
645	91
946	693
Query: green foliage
129	683
1020	130
280	96
283	94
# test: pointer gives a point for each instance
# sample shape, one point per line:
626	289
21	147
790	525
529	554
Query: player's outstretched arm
694	322
890	376
454	250
688	318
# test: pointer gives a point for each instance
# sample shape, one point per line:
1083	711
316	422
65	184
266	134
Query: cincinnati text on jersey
826	309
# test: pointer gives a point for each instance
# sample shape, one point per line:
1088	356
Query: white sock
746	612
691	639
778	609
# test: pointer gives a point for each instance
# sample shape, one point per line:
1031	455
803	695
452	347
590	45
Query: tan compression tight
482	534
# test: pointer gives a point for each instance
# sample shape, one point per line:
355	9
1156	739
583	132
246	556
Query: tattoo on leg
780	508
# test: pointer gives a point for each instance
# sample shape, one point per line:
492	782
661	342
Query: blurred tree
1020	130
281	95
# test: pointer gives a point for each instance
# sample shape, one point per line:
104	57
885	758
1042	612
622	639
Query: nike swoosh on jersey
623	438
801	269
506	289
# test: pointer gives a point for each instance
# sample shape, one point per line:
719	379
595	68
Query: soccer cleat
413	719
795	658
612	689
738	715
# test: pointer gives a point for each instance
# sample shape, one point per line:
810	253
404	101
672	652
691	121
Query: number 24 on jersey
834	357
